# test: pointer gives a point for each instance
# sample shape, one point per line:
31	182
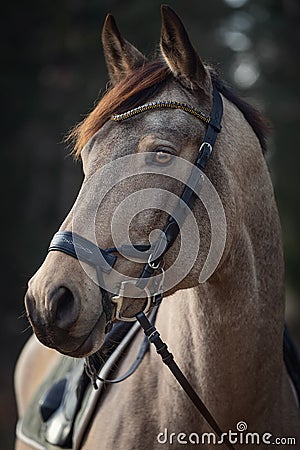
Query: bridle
103	260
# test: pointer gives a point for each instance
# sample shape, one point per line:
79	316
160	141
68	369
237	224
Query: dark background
52	72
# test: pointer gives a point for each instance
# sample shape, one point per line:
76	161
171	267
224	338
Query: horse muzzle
57	322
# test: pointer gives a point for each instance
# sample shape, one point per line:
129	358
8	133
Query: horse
226	332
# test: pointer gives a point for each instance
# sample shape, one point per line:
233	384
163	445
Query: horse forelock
136	88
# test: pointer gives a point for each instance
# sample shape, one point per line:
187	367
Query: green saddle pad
57	431
64	425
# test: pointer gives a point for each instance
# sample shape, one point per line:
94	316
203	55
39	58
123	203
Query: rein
103	260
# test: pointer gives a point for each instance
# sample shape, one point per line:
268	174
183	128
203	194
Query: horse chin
77	347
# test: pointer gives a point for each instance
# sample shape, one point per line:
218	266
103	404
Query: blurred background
53	71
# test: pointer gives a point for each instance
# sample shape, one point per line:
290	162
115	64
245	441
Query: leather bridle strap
86	251
188	196
81	248
168	359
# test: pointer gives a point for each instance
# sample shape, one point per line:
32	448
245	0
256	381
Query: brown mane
259	123
137	88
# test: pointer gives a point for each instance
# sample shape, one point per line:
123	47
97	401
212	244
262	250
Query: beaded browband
160	105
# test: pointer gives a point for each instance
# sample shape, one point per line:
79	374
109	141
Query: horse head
131	145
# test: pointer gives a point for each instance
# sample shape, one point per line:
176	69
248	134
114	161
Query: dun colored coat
226	334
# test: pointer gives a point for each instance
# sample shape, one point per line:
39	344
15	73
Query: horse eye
162	157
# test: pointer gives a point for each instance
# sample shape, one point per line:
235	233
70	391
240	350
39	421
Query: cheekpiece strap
188	196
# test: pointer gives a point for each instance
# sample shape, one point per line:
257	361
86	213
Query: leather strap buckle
119	299
152	299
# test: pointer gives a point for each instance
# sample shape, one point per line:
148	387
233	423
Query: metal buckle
151	263
118	300
150	302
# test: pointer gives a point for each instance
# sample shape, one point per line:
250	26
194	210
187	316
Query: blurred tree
265	39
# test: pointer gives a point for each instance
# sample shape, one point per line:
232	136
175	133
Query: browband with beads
160	105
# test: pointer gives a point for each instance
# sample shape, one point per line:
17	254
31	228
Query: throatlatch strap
167	357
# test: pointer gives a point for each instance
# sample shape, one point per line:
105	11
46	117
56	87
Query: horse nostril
64	303
63	307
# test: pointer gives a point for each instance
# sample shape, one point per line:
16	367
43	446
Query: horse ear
121	56
179	53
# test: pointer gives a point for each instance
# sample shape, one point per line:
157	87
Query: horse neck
226	334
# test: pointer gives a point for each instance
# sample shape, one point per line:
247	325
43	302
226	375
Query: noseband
103	260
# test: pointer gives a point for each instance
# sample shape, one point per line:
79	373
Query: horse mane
138	87
258	122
